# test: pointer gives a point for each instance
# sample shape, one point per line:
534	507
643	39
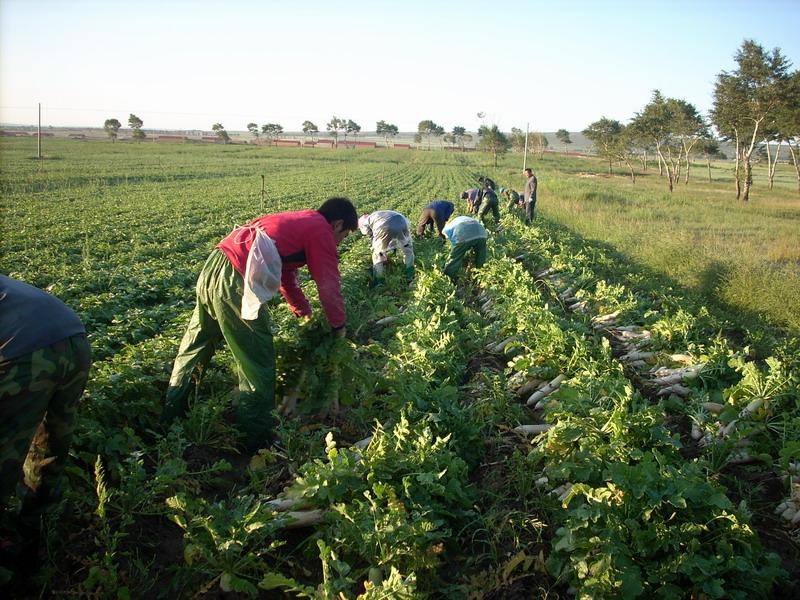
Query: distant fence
166	138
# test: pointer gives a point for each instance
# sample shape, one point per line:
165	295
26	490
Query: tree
612	141
334	126
310	129
709	148
135	123
460	136
746	101
606	135
672	126
272	131
221	133
493	140
112	128
787	122
537	142
689	127
428	128
387	130
562	135
517	139
351	127
253	128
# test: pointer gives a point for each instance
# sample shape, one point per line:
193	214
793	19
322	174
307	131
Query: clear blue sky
187	64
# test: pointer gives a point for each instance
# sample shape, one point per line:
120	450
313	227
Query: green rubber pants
217	317
459	252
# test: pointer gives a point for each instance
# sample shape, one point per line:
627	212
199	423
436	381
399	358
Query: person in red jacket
304	237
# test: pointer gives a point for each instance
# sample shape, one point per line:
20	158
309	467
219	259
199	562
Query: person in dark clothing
472	196
488	201
514	199
530	195
44	366
486	182
435	213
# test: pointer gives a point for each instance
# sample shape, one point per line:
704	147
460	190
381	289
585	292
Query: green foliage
229	540
112	128
493	141
666	533
446	500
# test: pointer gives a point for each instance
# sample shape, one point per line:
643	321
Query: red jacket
303	237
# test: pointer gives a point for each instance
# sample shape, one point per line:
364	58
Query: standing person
303	237
472	196
44	365
387	230
488	201
530	194
435	213
464	234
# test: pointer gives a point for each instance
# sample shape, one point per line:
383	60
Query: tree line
755	107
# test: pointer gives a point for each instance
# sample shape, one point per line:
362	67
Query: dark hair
528	170
464	195
334	209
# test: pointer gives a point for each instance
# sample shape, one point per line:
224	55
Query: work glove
341	332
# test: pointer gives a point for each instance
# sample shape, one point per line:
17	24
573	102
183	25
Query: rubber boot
410	273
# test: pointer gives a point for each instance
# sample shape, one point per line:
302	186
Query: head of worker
342	216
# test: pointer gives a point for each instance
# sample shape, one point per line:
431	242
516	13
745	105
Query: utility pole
39	135
525	156
263	191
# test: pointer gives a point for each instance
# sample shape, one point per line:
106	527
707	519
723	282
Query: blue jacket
443	209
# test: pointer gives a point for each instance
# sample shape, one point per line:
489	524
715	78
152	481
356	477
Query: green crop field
609	408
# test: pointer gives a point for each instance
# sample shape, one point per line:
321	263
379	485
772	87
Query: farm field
608	409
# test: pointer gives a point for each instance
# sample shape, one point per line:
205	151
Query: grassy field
446	500
742	257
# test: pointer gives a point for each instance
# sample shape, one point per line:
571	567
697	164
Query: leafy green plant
666	532
227	542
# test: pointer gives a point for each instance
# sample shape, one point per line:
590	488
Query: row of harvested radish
789	509
632	346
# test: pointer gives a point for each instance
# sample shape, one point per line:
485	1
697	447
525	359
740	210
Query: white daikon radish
751	408
636	355
361	444
387	320
533	429
606	318
545	390
675	388
713	407
303	518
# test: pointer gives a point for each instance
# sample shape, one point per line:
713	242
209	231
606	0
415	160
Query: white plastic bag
262	276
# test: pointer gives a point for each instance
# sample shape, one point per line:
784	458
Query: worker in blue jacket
465	234
435	213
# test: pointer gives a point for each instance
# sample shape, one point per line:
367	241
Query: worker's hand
341	332
305	319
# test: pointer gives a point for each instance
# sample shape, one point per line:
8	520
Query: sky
537	65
